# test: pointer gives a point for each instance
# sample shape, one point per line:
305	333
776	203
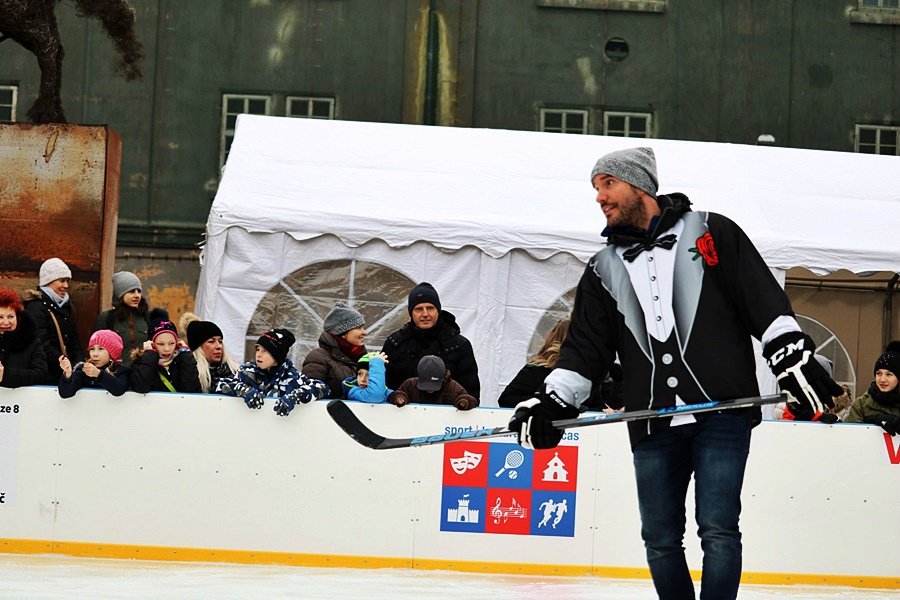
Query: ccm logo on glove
785	351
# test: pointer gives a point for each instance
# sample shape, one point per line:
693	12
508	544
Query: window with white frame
877	139
309	107
555	120
656	6
234	105
879	4
627	124
8	96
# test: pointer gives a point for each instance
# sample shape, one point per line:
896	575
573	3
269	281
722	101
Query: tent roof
503	190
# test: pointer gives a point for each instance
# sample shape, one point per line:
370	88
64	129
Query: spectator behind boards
880	405
164	364
341	345
430	330
273	375
130	315
433	385
368	385
50	306
607	396
22	360
204	339
103	369
836	413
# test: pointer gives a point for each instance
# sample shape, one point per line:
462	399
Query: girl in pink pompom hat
102	370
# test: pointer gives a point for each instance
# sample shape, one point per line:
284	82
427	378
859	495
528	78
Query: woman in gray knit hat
341	344
130	315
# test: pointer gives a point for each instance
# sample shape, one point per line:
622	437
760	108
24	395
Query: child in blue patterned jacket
273	375
368	385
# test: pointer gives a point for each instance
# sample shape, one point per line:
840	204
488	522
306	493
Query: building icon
462	514
556	469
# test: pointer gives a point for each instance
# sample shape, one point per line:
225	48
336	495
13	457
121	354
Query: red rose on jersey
707	249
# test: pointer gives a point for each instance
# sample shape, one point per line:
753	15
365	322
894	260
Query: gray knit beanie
123	282
636	166
342	319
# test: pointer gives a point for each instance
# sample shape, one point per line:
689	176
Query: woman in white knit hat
51	310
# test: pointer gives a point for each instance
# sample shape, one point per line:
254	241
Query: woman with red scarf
341	344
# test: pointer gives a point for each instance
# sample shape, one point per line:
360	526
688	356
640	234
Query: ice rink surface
44	577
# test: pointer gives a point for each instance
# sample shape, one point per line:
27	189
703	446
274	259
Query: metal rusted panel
59	196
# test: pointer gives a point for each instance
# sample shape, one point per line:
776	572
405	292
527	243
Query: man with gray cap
677	295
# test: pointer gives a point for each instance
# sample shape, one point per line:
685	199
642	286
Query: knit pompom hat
157	328
53	269
108	340
342	319
277	342
890	360
636	166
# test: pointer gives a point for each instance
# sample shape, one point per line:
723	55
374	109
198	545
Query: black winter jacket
146	374
39	305
22	355
114	381
407	345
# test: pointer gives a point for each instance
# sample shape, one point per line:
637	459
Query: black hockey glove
806	382
533	420
284	406
890	423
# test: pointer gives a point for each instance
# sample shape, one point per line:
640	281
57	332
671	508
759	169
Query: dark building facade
820	74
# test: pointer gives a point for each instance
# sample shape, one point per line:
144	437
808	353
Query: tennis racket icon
514	459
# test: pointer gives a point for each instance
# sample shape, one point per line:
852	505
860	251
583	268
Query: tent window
8	96
564	121
232	106
300	301
877	139
627	124
310	108
830	346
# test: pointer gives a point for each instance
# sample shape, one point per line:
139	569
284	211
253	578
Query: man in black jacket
430	331
677	296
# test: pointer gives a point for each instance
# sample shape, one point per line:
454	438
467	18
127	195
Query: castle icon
462	514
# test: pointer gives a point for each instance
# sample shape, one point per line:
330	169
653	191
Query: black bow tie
665	242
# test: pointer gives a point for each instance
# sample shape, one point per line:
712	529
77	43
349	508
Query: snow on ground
51	577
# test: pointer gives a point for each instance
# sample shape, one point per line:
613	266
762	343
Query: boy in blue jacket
369	383
273	375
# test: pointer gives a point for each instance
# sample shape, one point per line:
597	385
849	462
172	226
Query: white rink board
194	471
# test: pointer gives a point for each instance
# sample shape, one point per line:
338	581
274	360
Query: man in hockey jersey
677	295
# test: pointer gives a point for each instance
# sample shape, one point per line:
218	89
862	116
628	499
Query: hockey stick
352	426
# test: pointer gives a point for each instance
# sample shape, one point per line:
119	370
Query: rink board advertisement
502	488
202	478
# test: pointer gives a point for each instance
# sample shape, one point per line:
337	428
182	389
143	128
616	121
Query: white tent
501	222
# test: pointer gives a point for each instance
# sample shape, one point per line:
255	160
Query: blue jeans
715	451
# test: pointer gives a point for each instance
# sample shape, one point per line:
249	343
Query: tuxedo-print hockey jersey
679	318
